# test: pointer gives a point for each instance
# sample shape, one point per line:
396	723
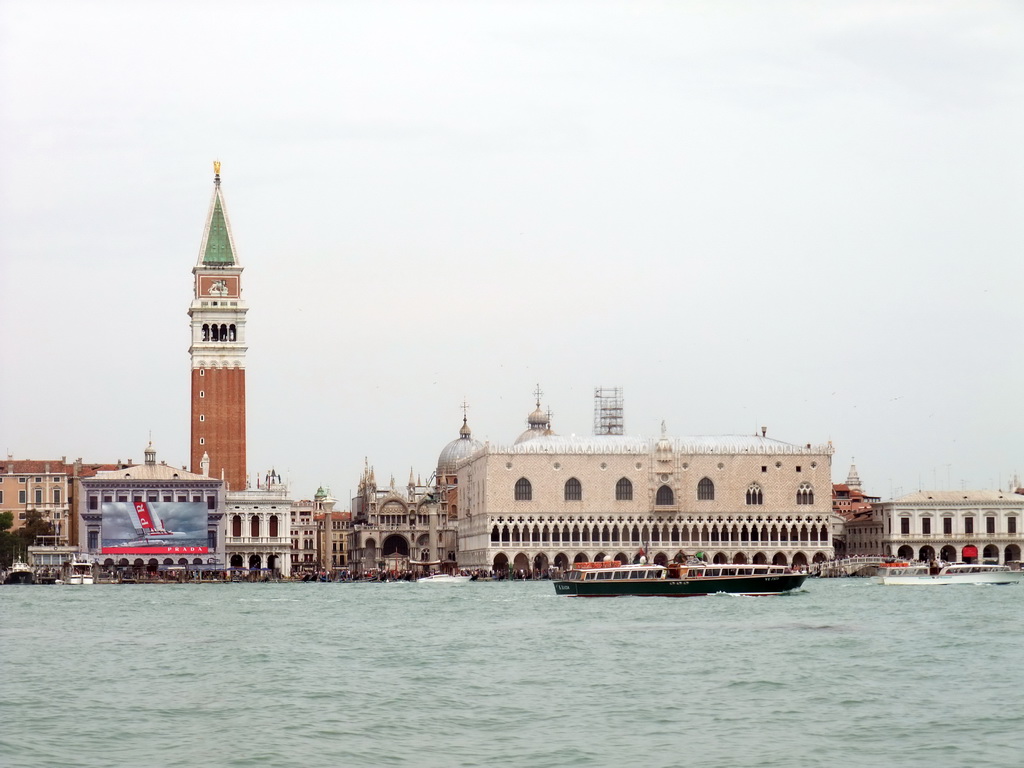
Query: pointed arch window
706	490
754	495
805	494
524	490
624	490
665	497
573	490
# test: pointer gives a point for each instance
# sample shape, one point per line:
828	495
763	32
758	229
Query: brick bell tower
217	351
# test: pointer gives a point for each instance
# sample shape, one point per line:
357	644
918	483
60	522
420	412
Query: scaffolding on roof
608	406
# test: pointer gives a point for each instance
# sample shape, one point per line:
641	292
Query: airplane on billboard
150	529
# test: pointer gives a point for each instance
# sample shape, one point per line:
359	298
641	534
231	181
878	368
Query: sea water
841	673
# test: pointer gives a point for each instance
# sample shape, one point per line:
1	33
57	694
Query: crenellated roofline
623	444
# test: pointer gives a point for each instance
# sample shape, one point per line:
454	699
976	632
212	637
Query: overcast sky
799	215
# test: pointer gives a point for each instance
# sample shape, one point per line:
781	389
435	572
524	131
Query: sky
798	215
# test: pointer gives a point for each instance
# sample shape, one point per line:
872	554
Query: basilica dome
461	448
538	425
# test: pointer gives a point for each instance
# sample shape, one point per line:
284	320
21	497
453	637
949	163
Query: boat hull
746	585
1007	577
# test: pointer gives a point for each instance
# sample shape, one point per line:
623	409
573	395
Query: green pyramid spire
218	241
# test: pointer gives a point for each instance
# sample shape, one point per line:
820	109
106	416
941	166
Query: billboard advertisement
154	528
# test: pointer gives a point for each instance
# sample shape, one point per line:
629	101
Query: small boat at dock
79	572
20	573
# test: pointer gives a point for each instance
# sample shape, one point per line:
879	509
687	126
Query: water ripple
506	674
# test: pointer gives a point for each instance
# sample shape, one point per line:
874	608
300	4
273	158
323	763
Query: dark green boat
611	579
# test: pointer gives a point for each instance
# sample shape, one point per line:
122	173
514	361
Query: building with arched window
546	501
258	539
144	519
400	530
955	526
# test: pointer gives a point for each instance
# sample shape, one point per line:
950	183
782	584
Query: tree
8	541
35	525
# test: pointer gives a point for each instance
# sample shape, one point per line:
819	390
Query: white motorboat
444	578
80	572
951	573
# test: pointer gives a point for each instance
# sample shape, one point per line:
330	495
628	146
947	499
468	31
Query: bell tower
217	350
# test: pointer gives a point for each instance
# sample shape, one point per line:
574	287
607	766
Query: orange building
848	500
47	487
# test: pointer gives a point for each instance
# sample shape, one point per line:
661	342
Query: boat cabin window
621	575
604	575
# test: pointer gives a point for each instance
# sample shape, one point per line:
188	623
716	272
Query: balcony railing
45	508
1000	536
272	541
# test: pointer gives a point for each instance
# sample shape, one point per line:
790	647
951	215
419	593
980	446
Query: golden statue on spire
216	167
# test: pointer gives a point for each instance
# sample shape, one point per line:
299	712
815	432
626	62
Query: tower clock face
218	286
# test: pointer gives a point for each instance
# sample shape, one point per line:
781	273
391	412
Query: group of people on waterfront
186	575
409	574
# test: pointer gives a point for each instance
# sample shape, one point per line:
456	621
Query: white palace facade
955	526
547	501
